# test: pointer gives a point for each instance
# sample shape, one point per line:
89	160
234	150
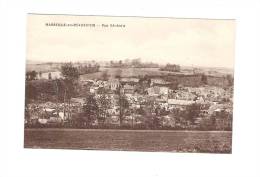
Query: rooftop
180	102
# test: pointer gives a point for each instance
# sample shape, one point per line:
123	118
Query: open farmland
126	72
133	140
43	67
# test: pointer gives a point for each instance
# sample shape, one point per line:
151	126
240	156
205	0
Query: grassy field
133	140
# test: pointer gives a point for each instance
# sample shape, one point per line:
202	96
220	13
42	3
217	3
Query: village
131	102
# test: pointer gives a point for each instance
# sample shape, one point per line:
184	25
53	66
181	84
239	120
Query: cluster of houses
140	93
163	97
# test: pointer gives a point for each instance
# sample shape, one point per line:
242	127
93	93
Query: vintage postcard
129	83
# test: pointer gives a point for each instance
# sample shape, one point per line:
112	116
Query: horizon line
90	60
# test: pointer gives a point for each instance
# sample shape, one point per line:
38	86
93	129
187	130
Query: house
183	95
174	103
164	90
114	99
130	80
162	103
156	91
80	101
114	110
180	102
153	91
93	89
113	84
100	83
43	121
137	106
158	81
128	89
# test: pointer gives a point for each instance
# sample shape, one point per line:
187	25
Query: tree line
88	68
171	68
136	63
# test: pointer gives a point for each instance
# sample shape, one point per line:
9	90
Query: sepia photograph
154	84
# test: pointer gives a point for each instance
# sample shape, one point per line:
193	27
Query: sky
189	42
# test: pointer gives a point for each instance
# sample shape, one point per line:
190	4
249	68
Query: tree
156	119
60	87
193	112
230	79
172	68
97	67
71	76
40	74
156	122
111	63
148	119
123	106
31	75
118	73
225	120
90	109
104	75
104	105
120	62
204	79
49	76
30	92
27	76
136	62
69	72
